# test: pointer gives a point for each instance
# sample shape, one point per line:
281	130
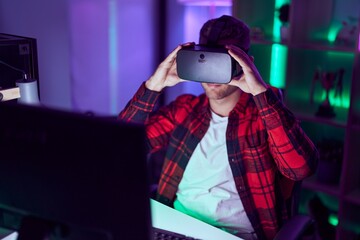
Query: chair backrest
298	225
296	228
295	199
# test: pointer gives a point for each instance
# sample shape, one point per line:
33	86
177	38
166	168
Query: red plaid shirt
267	149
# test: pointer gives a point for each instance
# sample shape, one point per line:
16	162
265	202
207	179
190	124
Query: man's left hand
250	81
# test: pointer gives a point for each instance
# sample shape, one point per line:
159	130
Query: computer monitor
18	55
76	176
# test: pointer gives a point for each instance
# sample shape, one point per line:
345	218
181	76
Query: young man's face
218	91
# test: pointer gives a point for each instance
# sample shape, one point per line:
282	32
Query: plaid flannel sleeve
140	106
293	151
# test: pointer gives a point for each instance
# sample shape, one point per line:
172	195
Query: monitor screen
71	175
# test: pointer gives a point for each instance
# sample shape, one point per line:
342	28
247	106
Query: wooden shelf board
355	127
353	197
310	45
328	121
312	184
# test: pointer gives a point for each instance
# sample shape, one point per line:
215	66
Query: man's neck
223	107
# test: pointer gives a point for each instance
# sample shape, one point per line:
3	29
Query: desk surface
170	219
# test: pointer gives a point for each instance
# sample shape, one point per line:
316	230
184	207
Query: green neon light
278	52
277	23
278	65
344	101
333	220
276	29
333	31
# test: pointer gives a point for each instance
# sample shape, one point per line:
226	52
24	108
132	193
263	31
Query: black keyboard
161	234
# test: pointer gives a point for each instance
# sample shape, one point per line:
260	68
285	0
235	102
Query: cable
14	68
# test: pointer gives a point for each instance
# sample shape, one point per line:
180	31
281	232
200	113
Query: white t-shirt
207	190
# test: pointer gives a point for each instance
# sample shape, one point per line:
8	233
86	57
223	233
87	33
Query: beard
218	91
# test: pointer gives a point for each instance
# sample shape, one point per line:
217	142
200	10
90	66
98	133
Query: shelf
313	118
355	127
350	219
323	47
353	197
266	42
309	46
311	183
317	43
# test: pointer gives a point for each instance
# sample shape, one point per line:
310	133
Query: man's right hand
166	74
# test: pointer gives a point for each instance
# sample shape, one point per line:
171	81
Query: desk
170	219
12	236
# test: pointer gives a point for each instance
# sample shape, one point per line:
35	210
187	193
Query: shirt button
233	160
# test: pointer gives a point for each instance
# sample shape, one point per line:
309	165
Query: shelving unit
291	64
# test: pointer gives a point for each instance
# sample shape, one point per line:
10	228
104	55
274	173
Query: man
233	154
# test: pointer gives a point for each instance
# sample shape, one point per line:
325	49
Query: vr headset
207	63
